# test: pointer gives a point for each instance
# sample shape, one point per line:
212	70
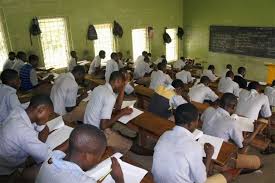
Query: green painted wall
198	15
17	14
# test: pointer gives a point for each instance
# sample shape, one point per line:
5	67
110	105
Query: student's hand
209	150
43	135
116	172
127	111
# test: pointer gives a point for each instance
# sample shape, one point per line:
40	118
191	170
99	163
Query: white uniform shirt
200	92
72	63
141	68
178	158
95	63
179	64
159	60
8	101
58	170
159	78
227	85
9	64
210	75
140	58
224	73
18	64
251	103
219	123
64	93
270	93
19	140
110	68
101	105
184	76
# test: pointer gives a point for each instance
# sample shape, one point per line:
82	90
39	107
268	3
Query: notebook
55	123
59	136
214	141
127	118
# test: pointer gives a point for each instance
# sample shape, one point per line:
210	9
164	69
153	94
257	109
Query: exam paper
59	136
127	118
55	123
245	124
130	103
198	134
214	141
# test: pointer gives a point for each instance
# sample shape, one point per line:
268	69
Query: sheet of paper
126	119
55	123
245	124
83	62
198	134
130	103
25	105
103	168
59	136
131	173
214	141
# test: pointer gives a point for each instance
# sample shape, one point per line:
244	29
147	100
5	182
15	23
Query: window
140	42
172	48
105	41
54	41
3	48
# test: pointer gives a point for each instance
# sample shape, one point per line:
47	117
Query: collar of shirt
183	131
229	78
240	75
8	87
253	92
223	112
26	118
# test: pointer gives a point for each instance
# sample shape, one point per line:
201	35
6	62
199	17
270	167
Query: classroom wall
17	15
198	15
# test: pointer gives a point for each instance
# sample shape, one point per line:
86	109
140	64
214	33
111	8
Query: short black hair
182	58
33	58
185	114
149	54
101	52
253	85
113	54
241	70
229	66
12	53
116	75
227	99
79	69
211	67
40	99
144	53
161	66
177	83
163	56
20	54
146	59
205	80
9	75
229	74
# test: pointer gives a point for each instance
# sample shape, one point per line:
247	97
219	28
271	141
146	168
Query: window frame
175	46
147	43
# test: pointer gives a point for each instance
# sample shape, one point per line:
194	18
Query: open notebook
59	136
55	123
127	118
245	124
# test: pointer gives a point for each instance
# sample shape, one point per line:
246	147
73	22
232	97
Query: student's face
17	83
118	84
11	57
232	108
43	114
79	78
102	56
90	160
34	63
193	126
73	54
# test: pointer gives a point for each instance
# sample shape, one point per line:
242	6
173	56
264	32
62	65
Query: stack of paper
214	141
127	118
59	136
130	103
245	124
55	124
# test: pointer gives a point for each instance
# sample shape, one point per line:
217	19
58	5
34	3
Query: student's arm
209	151
265	110
43	135
116	172
120	98
212	95
14	101
237	136
71	99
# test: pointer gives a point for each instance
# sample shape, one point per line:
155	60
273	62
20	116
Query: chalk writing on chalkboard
251	41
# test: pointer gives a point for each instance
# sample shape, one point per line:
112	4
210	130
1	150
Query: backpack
34	28
166	37
91	34
180	33
117	29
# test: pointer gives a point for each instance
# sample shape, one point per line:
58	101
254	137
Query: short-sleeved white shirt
64	93
159	78
72	63
95	63
270	93
141	68
18	64
200	92
179	64
210	75
184	76
110	68
227	85
101	105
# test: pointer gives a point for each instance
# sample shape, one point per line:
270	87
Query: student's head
149	55
73	54
146	59
116	81
22	56
162	66
182	59
144	53
79	73
102	54
164	61
87	144
163	56
229	74
40	109
187	67
178	85
120	55
205	80
12	55
254	85
211	67
187	115
242	71
33	60
11	78
125	74
114	56
229	102
229	67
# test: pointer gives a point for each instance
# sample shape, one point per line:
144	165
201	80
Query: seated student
21	58
129	89
141	57
22	135
227	85
228	68
73	61
239	78
251	103
179	64
120	60
221	124
201	92
10	61
142	67
178	157
96	63
112	65
159	77
87	145
167	98
159	60
8	98
65	89
184	75
210	73
149	55
270	93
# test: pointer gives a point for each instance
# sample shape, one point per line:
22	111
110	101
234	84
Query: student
99	110
178	157
120	60
201	92
270	93
65	89
10	61
87	145
210	73
141	57
228	68
149	55
21	58
112	65
96	63
184	75
179	64
73	61
227	85
129	89
21	135
8	98
251	103
142	68
159	60
221	124
239	78
167	98
159	77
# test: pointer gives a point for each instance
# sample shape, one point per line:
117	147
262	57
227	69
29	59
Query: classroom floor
265	175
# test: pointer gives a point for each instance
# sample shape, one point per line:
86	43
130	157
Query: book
125	119
55	123
58	137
